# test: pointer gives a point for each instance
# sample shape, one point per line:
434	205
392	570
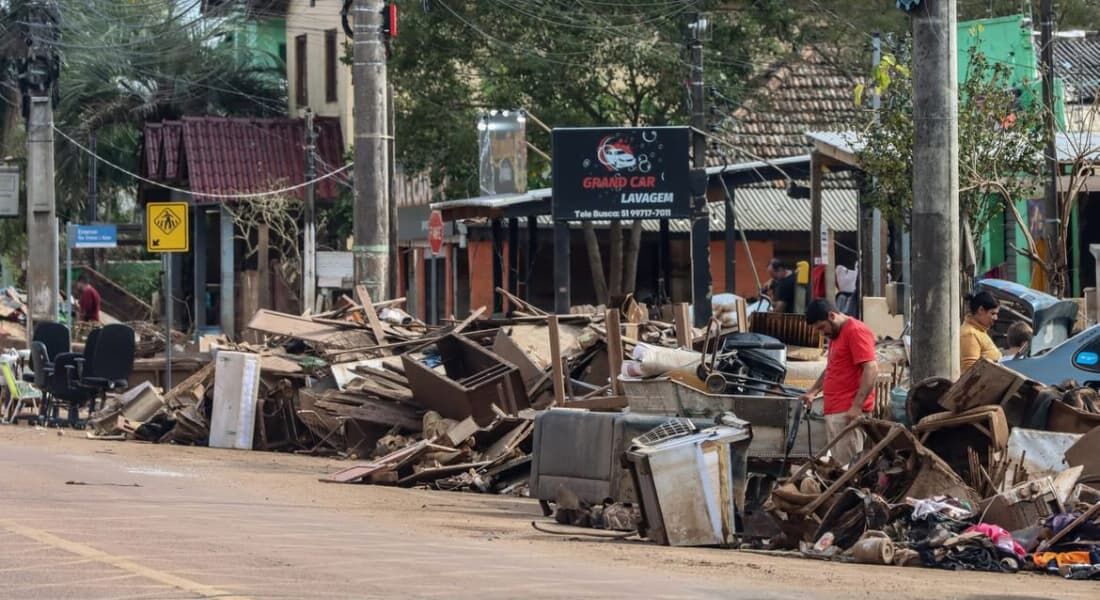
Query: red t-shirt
847	353
89	304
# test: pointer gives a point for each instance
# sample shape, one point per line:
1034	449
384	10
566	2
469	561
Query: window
330	65
301	76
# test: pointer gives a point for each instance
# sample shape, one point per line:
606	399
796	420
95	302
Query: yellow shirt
975	343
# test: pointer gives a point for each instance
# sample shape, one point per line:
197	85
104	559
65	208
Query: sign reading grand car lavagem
604	173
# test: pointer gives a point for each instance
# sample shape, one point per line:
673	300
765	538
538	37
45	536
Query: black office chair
55	338
108	366
64	384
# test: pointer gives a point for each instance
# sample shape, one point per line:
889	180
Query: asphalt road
92	519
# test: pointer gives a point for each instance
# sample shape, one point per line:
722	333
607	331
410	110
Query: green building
1008	41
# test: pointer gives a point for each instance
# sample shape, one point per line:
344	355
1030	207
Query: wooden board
363	295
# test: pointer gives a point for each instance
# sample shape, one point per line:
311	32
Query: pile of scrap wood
452	455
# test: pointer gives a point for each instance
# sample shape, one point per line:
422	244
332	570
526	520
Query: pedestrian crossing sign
166	227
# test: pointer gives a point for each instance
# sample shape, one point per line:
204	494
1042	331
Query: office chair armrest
119	383
79	368
70	370
94	382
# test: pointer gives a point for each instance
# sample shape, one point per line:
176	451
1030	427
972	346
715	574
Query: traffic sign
94	236
166	227
435	231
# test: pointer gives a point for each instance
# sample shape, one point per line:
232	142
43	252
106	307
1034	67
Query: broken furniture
475	382
236	391
972	442
581	451
18	394
893	465
691	484
770	416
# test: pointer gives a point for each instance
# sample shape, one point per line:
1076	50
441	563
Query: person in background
88	300
847	281
781	287
974	340
848	382
1019	335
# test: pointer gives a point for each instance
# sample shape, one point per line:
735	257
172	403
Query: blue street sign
95	236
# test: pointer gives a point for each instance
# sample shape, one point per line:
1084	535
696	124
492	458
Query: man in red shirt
848	382
89	300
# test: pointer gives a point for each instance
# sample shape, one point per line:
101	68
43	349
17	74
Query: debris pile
973	486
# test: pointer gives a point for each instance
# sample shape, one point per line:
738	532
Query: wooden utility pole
309	235
371	244
935	226
1051	215
700	223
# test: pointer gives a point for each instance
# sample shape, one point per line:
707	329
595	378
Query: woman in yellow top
974	340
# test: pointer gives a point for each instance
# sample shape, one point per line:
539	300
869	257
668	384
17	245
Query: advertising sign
9	191
502	149
621	173
435	232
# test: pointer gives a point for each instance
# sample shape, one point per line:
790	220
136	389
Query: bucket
898	398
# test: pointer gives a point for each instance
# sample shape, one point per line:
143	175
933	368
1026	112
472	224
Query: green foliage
1000	142
140	278
568	64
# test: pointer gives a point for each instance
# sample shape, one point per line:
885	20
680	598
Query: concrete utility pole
309	235
371	245
700	224
936	298
1050	192
42	253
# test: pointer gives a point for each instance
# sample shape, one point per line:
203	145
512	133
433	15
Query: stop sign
435	231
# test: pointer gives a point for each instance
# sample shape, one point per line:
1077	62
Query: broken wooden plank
469	320
684	333
615	351
557	368
363	295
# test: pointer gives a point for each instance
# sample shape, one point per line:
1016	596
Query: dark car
1077	358
1051	318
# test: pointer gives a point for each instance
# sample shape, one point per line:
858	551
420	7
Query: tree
568	64
1001	142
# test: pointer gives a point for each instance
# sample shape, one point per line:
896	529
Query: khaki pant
846	449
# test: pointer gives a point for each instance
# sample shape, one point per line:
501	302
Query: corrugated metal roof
1077	62
764	210
216	155
1070	144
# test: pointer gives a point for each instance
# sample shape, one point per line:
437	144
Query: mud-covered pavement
149	521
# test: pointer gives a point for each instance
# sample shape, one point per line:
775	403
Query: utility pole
877	267
38	82
93	191
935	223
309	235
371	244
700	224
1050	193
